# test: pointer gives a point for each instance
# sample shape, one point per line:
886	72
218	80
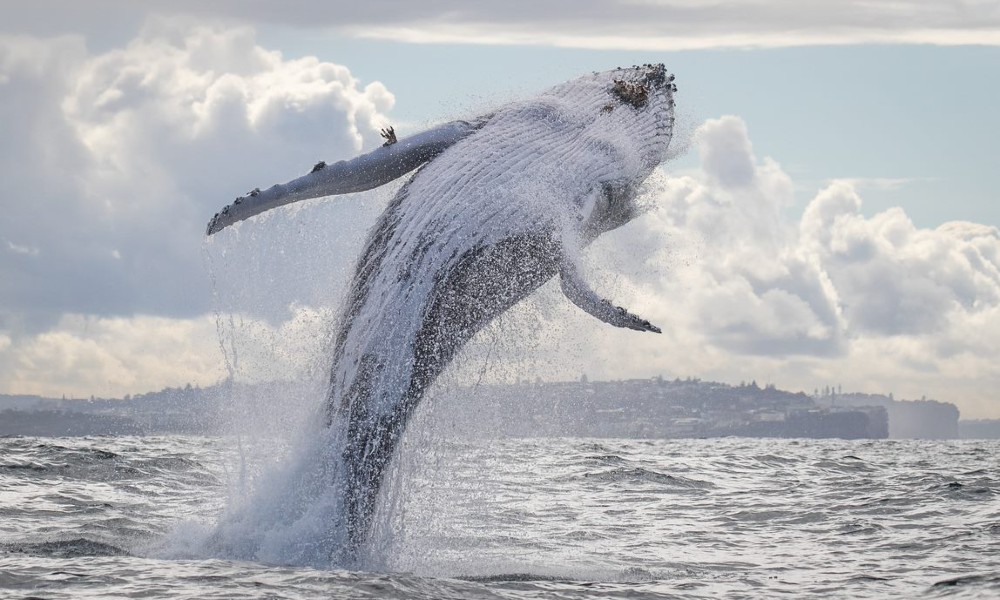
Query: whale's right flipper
577	290
378	167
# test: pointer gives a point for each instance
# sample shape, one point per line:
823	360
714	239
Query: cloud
746	285
113	161
113	356
895	278
743	290
650	25
659	25
83	355
726	152
881	183
25	250
833	276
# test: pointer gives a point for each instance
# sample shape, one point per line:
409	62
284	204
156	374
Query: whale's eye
632	93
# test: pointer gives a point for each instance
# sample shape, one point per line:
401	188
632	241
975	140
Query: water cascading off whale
497	208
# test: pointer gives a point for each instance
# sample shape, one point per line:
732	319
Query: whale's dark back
480	284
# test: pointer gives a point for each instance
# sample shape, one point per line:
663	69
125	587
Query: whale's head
637	102
626	117
631	108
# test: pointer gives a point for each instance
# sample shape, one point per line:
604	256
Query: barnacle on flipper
607	108
319	166
633	93
390	136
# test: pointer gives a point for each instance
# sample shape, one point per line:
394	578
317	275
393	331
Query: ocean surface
126	517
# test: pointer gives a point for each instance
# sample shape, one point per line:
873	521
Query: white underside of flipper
581	294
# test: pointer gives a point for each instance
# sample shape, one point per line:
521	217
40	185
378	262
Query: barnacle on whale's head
636	94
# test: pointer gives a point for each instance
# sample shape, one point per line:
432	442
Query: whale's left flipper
577	290
378	167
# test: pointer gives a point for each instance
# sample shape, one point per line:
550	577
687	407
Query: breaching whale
498	205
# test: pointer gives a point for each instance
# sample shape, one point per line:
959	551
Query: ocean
127	517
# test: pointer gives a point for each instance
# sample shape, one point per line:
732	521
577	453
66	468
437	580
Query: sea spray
277	286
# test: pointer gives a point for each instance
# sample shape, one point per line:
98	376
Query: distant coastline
636	408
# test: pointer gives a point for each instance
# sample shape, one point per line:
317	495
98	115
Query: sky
829	216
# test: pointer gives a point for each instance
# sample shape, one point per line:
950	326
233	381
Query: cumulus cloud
113	161
113	356
746	284
744	290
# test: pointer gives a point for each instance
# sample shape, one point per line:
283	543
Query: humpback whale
497	206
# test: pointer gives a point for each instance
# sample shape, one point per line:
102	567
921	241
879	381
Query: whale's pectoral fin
390	161
577	290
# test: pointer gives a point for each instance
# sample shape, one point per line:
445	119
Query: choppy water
552	518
